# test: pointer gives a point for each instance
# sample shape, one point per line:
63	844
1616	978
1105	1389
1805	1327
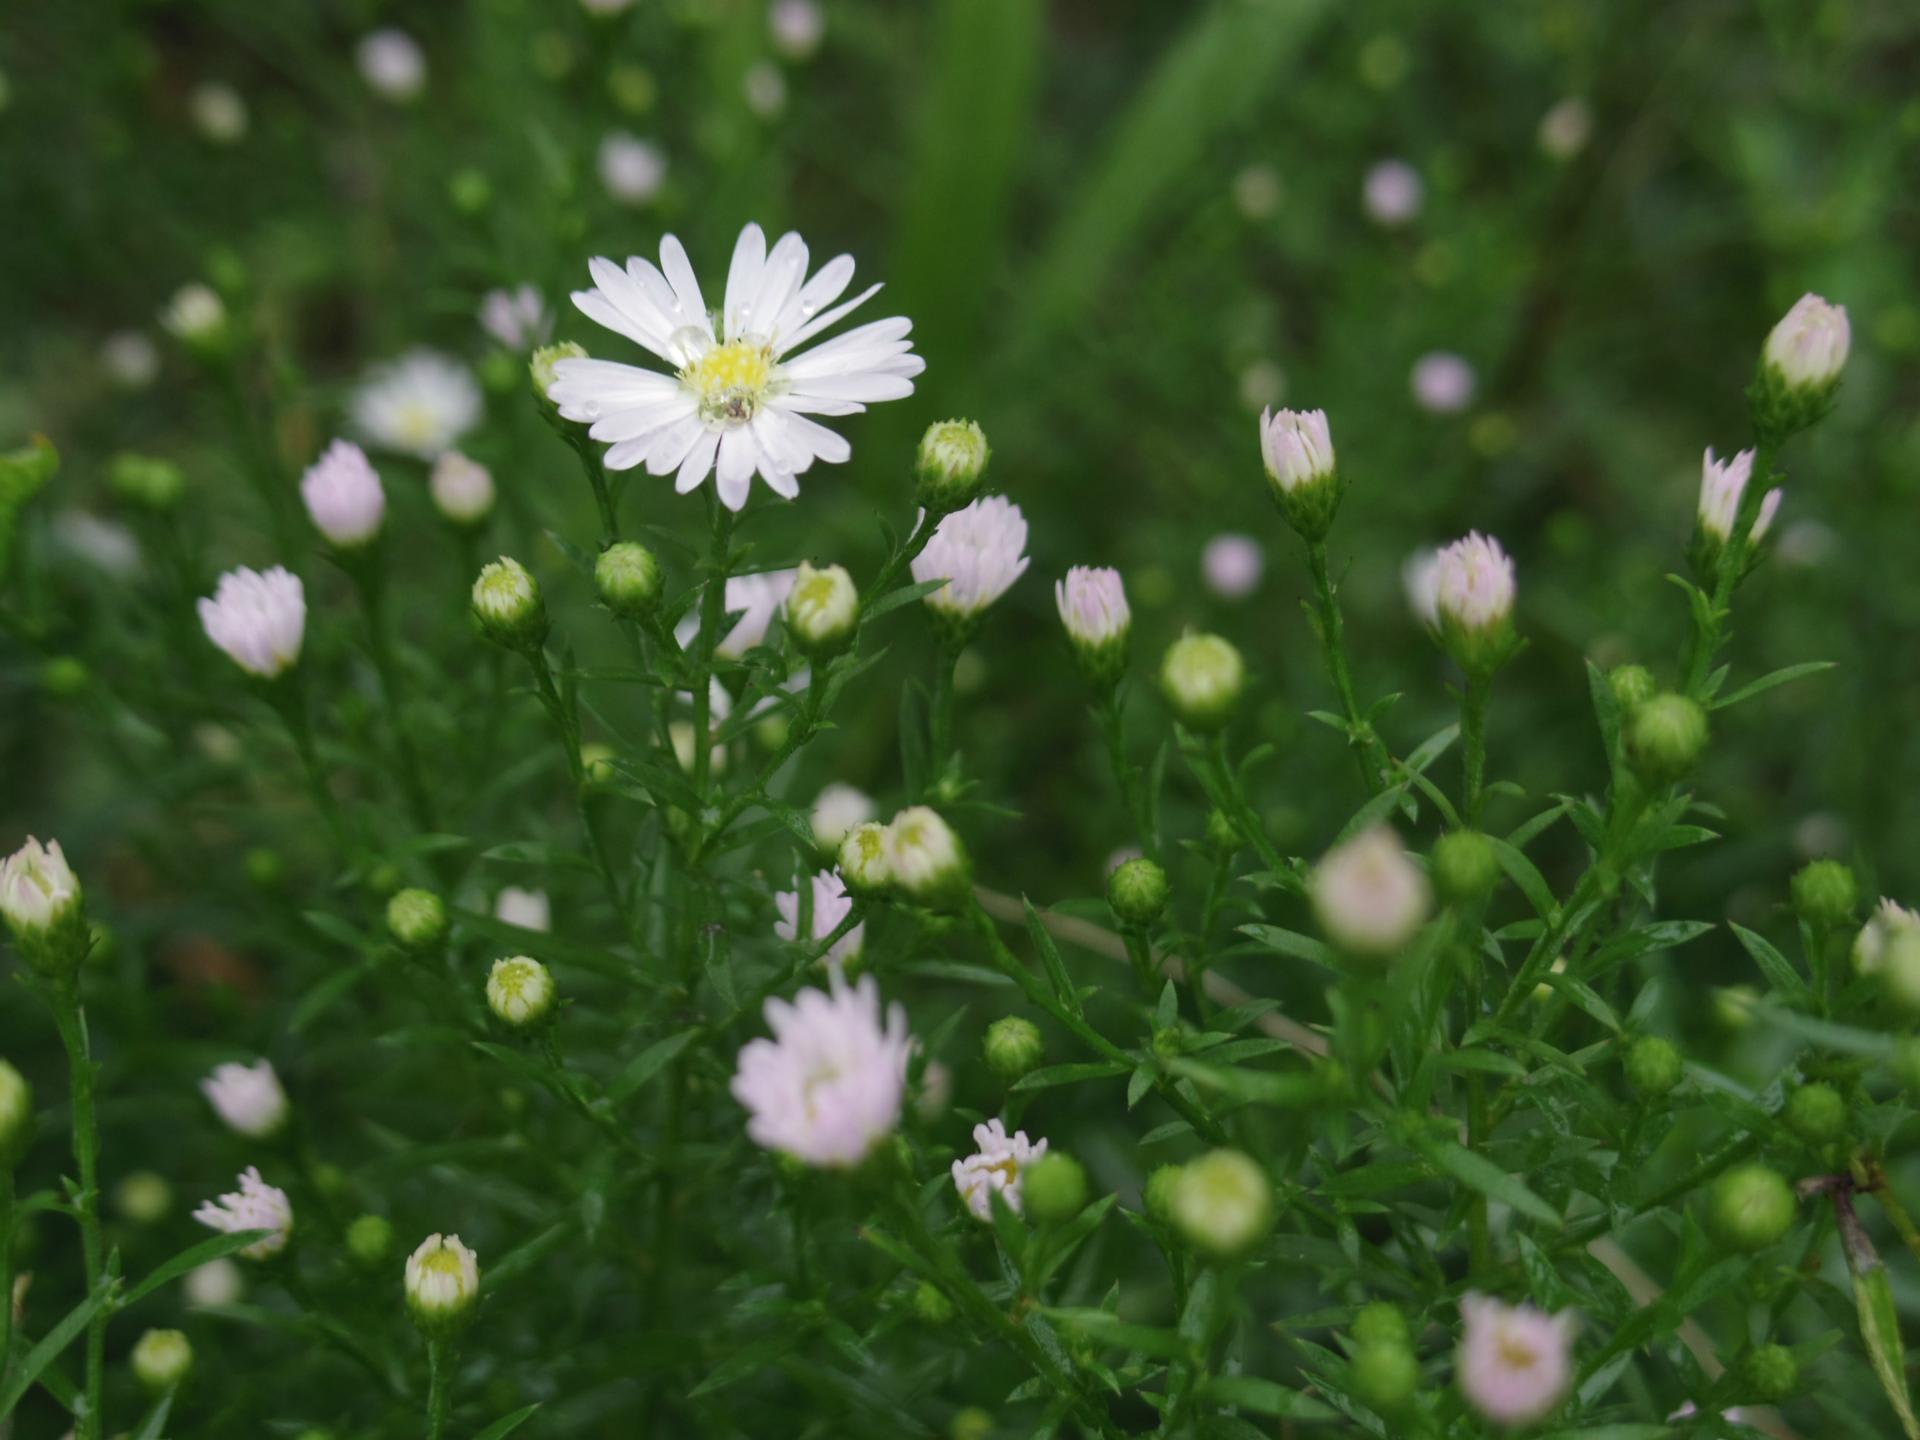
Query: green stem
439	1386
940	729
1473	743
713	609
1126	775
1228	792
368	578
568	727
1332	630
798	733
71	1021
288	696
6	1264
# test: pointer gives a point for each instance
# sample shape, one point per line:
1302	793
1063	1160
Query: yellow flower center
729	381
1515	1353
440	1262
416	424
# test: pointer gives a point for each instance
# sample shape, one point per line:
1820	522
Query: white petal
781	482
658	292
640	420
738	457
786	267
820	322
867	389
823	289
881	335
633	303
670	446
686	285
627	454
613	383
698	463
602	311
743	278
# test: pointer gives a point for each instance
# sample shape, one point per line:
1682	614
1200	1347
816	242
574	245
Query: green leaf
1063	987
1479	1173
748	1360
1775	966
20	1379
1265	1087
1074	1074
1104	1328
1264	1397
1291	942
155	1420
1767	682
191	1258
1526	875
647	1064
1880	1330
903	595
507	1424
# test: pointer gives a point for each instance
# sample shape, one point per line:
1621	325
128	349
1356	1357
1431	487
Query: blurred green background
1121	226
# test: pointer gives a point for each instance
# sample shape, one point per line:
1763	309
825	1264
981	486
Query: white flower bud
540	370
1808	347
196	316
506	602
1202	676
256	1205
1369	897
38	889
529	909
1723	485
866	861
1093	608
257	619
1223	1202
161	1360
822	609
462	489
218	1282
1464	593
442	1284
836	810
392	64
520	991
926	858
1889	921
16	1115
979	551
248	1098
1231	565
343	495
1297	448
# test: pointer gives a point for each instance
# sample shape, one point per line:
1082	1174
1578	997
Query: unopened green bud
146	482
1632	686
1771	1373
370	1240
628	579
1223	1202
930	1303
16	1116
1202	677
1223	836
1752	1207
971	1423
1825	892
1379	1323
1816	1113
1464	866
1053	1189
506	602
1013	1047
1137	891
1653	1066
540	367
1157	1195
1384	1376
1665	736
866	865
469	190
1733	1006
417	919
161	1360
822	610
64	676
950	465
265	867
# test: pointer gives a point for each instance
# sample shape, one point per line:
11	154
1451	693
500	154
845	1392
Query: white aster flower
1442	382
979	551
248	1098
1722	485
1515	1362
462	489
631	169
996	1166
420	404
828	1087
1468	585
517	318
343	495
831	905
442	1281
836	810
255	1206
1369	897
1809	344
107	545
218	112
392	64
1393	192
765	89
756	599
529	909
1566	128
796	27
1232	565
1889	921
130	358
740	398
258	619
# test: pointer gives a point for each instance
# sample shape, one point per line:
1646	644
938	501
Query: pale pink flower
1443	383
831	906
1232	565
256	1205
996	1166
343	496
979	551
1515	1363
1393	192
1093	605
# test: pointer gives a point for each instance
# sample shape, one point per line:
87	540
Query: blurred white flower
1889	921
1722	484
1257	192
1468	584
343	495
796	27
831	906
391	62
1566	128
1232	565
1442	383
255	1206
924	856
247	1098
1393	192
828	1087
258	619
631	169
1809	345
218	1282
196	315
739	402
979	551
130	358
1807	543
765	89
517	318
529	909
836	810
107	545
1263	385
1369	897
462	489
1514	1364
995	1166
218	112
420	404
756	599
